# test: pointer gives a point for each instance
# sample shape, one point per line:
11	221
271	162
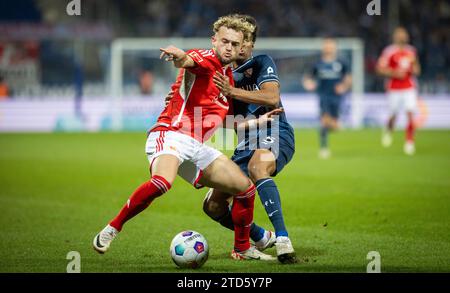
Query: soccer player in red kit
175	145
400	64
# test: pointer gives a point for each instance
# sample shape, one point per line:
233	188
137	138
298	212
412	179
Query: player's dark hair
250	19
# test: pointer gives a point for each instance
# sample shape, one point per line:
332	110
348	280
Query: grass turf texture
58	190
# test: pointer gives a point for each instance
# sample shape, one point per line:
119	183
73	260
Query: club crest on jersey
194	55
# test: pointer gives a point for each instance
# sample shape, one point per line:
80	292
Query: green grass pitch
58	190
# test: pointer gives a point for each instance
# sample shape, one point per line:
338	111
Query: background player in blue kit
331	80
262	153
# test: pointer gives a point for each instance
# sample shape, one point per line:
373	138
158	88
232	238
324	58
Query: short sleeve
267	70
383	61
202	61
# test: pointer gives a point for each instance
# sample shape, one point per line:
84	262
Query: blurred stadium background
56	70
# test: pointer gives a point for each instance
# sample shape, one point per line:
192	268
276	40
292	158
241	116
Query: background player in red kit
175	144
400	64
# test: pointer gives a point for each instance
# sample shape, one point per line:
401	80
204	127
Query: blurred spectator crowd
427	21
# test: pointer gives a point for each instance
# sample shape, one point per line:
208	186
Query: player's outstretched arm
261	120
416	70
383	69
268	94
179	57
390	73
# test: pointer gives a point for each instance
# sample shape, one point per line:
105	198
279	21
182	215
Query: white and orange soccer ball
189	249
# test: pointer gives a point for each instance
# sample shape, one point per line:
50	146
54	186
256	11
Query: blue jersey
328	75
250	76
278	137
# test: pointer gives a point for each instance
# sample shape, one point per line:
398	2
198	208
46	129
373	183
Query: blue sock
270	198
323	137
256	232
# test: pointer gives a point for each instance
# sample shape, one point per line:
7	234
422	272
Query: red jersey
401	59
197	108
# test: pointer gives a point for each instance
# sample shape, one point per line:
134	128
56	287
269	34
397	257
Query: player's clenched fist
223	83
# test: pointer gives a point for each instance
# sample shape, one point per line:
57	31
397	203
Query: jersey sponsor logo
325	73
337	66
222	101
405	62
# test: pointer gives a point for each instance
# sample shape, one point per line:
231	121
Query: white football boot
251	254
285	250
267	241
324	153
103	240
386	139
409	148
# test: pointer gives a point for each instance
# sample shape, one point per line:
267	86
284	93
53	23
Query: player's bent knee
335	126
240	183
259	170
255	172
243	186
213	209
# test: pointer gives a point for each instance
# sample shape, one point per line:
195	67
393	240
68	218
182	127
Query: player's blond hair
252	22
234	22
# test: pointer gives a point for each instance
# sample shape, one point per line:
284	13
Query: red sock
242	215
410	131
142	197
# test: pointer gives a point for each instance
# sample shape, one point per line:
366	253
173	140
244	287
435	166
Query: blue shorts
330	105
283	150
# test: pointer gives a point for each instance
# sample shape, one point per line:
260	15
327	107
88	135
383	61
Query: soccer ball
189	249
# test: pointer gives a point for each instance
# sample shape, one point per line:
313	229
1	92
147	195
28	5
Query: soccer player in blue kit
331	80
261	153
